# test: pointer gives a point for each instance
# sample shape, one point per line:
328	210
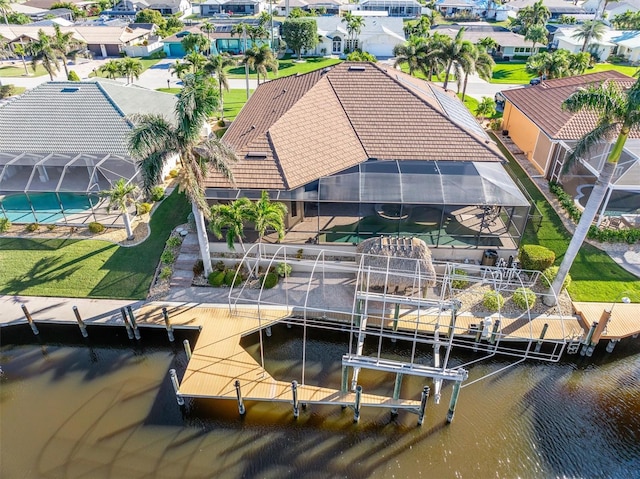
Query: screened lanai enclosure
56	188
443	203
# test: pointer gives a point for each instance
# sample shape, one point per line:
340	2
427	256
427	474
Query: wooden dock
624	320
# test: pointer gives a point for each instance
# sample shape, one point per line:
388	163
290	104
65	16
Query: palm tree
21	50
217	65
208	28
112	69
455	52
195	42
131	68
195	60
62	44
232	217
265	214
5	8
412	54
154	140
617	112
537	34
354	27
482	63
486	107
591	29
487	44
536	14
42	52
179	69
261	59
121	196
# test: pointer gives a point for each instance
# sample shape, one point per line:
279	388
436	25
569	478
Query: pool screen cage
58	188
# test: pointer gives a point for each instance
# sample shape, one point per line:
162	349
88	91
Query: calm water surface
89	411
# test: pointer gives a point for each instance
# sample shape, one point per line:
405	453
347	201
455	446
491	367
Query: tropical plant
195	61
217	65
20	50
131	68
62	44
454	53
73	76
154	140
354	27
299	34
208	28
260	59
487	44
481	62
418	28
486	108
414	54
537	34
42	51
5	224
5	8
179	69
536	14
120	197
195	42
617	110
265	214
111	69
360	56
589	30
232	218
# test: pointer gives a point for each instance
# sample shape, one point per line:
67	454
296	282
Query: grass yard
626	69
146	64
17	70
288	67
512	72
596	277
234	100
88	268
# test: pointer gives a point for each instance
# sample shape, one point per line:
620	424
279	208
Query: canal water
106	410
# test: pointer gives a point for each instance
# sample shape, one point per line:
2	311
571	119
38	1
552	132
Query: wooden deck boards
624	322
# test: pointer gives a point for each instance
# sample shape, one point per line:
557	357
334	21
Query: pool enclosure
444	203
56	188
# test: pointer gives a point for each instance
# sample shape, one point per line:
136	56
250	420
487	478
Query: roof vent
256	155
325	70
356	68
70	90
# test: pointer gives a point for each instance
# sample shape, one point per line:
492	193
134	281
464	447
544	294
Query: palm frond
218	156
588	141
150	134
151	168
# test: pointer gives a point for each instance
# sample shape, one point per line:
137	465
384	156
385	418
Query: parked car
537	80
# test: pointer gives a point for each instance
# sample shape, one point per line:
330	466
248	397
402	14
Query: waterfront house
359	150
510	44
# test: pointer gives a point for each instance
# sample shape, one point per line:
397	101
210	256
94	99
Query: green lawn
512	72
88	268
288	67
627	70
596	277
146	64
234	100
17	70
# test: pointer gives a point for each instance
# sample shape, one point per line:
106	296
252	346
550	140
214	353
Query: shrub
157	193
299	253
493	300
5	224
73	76
166	272
216	278
459	279
198	267
269	280
495	124
191	220
51	227
33	227
550	275
220	266
7	90
610	235
143	208
566	201
174	242
157	55
168	257
524	298
536	257
173	173
95	227
283	269
221	123
229	275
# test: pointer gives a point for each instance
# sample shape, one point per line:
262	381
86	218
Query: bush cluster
550	275
157	193
5	224
143	208
566	201
229	276
216	278
270	280
524	298
174	242
95	227
493	301
610	235
168	257
7	90
536	257
198	267
459	279
33	227
51	227
173	173
166	272
283	269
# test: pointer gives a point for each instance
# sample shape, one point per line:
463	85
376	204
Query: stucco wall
522	131
542	153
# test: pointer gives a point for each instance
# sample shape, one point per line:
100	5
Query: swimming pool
45	208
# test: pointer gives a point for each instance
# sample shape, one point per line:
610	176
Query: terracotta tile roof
542	104
297	129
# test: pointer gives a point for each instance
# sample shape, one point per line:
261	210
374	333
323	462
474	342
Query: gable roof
296	129
542	103
77	117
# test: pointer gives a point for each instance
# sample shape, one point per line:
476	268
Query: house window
337	45
294	209
351	45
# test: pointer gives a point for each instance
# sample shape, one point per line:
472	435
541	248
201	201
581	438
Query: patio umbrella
408	261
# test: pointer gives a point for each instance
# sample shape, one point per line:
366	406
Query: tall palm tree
487	44
354	27
482	63
20	50
5	8
195	42
42	52
154	140
536	14
617	110
412	53
131	68
591	29
180	69
265	214
261	59
537	34
121	196
232	218
208	28
454	53
195	60
62	44
486	107
217	65
111	69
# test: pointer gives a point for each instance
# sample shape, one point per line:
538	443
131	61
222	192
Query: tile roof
297	129
76	117
94	34
542	103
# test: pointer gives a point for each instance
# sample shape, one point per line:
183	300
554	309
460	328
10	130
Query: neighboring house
452	8
165	7
612	9
46	4
564	39
64	142
537	124
332	7
394	8
51	22
379	35
557	8
359	150
232	7
39	14
509	46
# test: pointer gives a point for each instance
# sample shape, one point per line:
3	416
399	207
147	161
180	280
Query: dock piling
454	400
423	404
167	324
396	392
587	342
187	349
127	326
83	328
27	315
494	332
356	406
396	316
268	331
294	391
611	345
542	334
176	387
132	318
241	408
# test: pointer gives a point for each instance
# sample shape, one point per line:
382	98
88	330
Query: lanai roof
297	129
